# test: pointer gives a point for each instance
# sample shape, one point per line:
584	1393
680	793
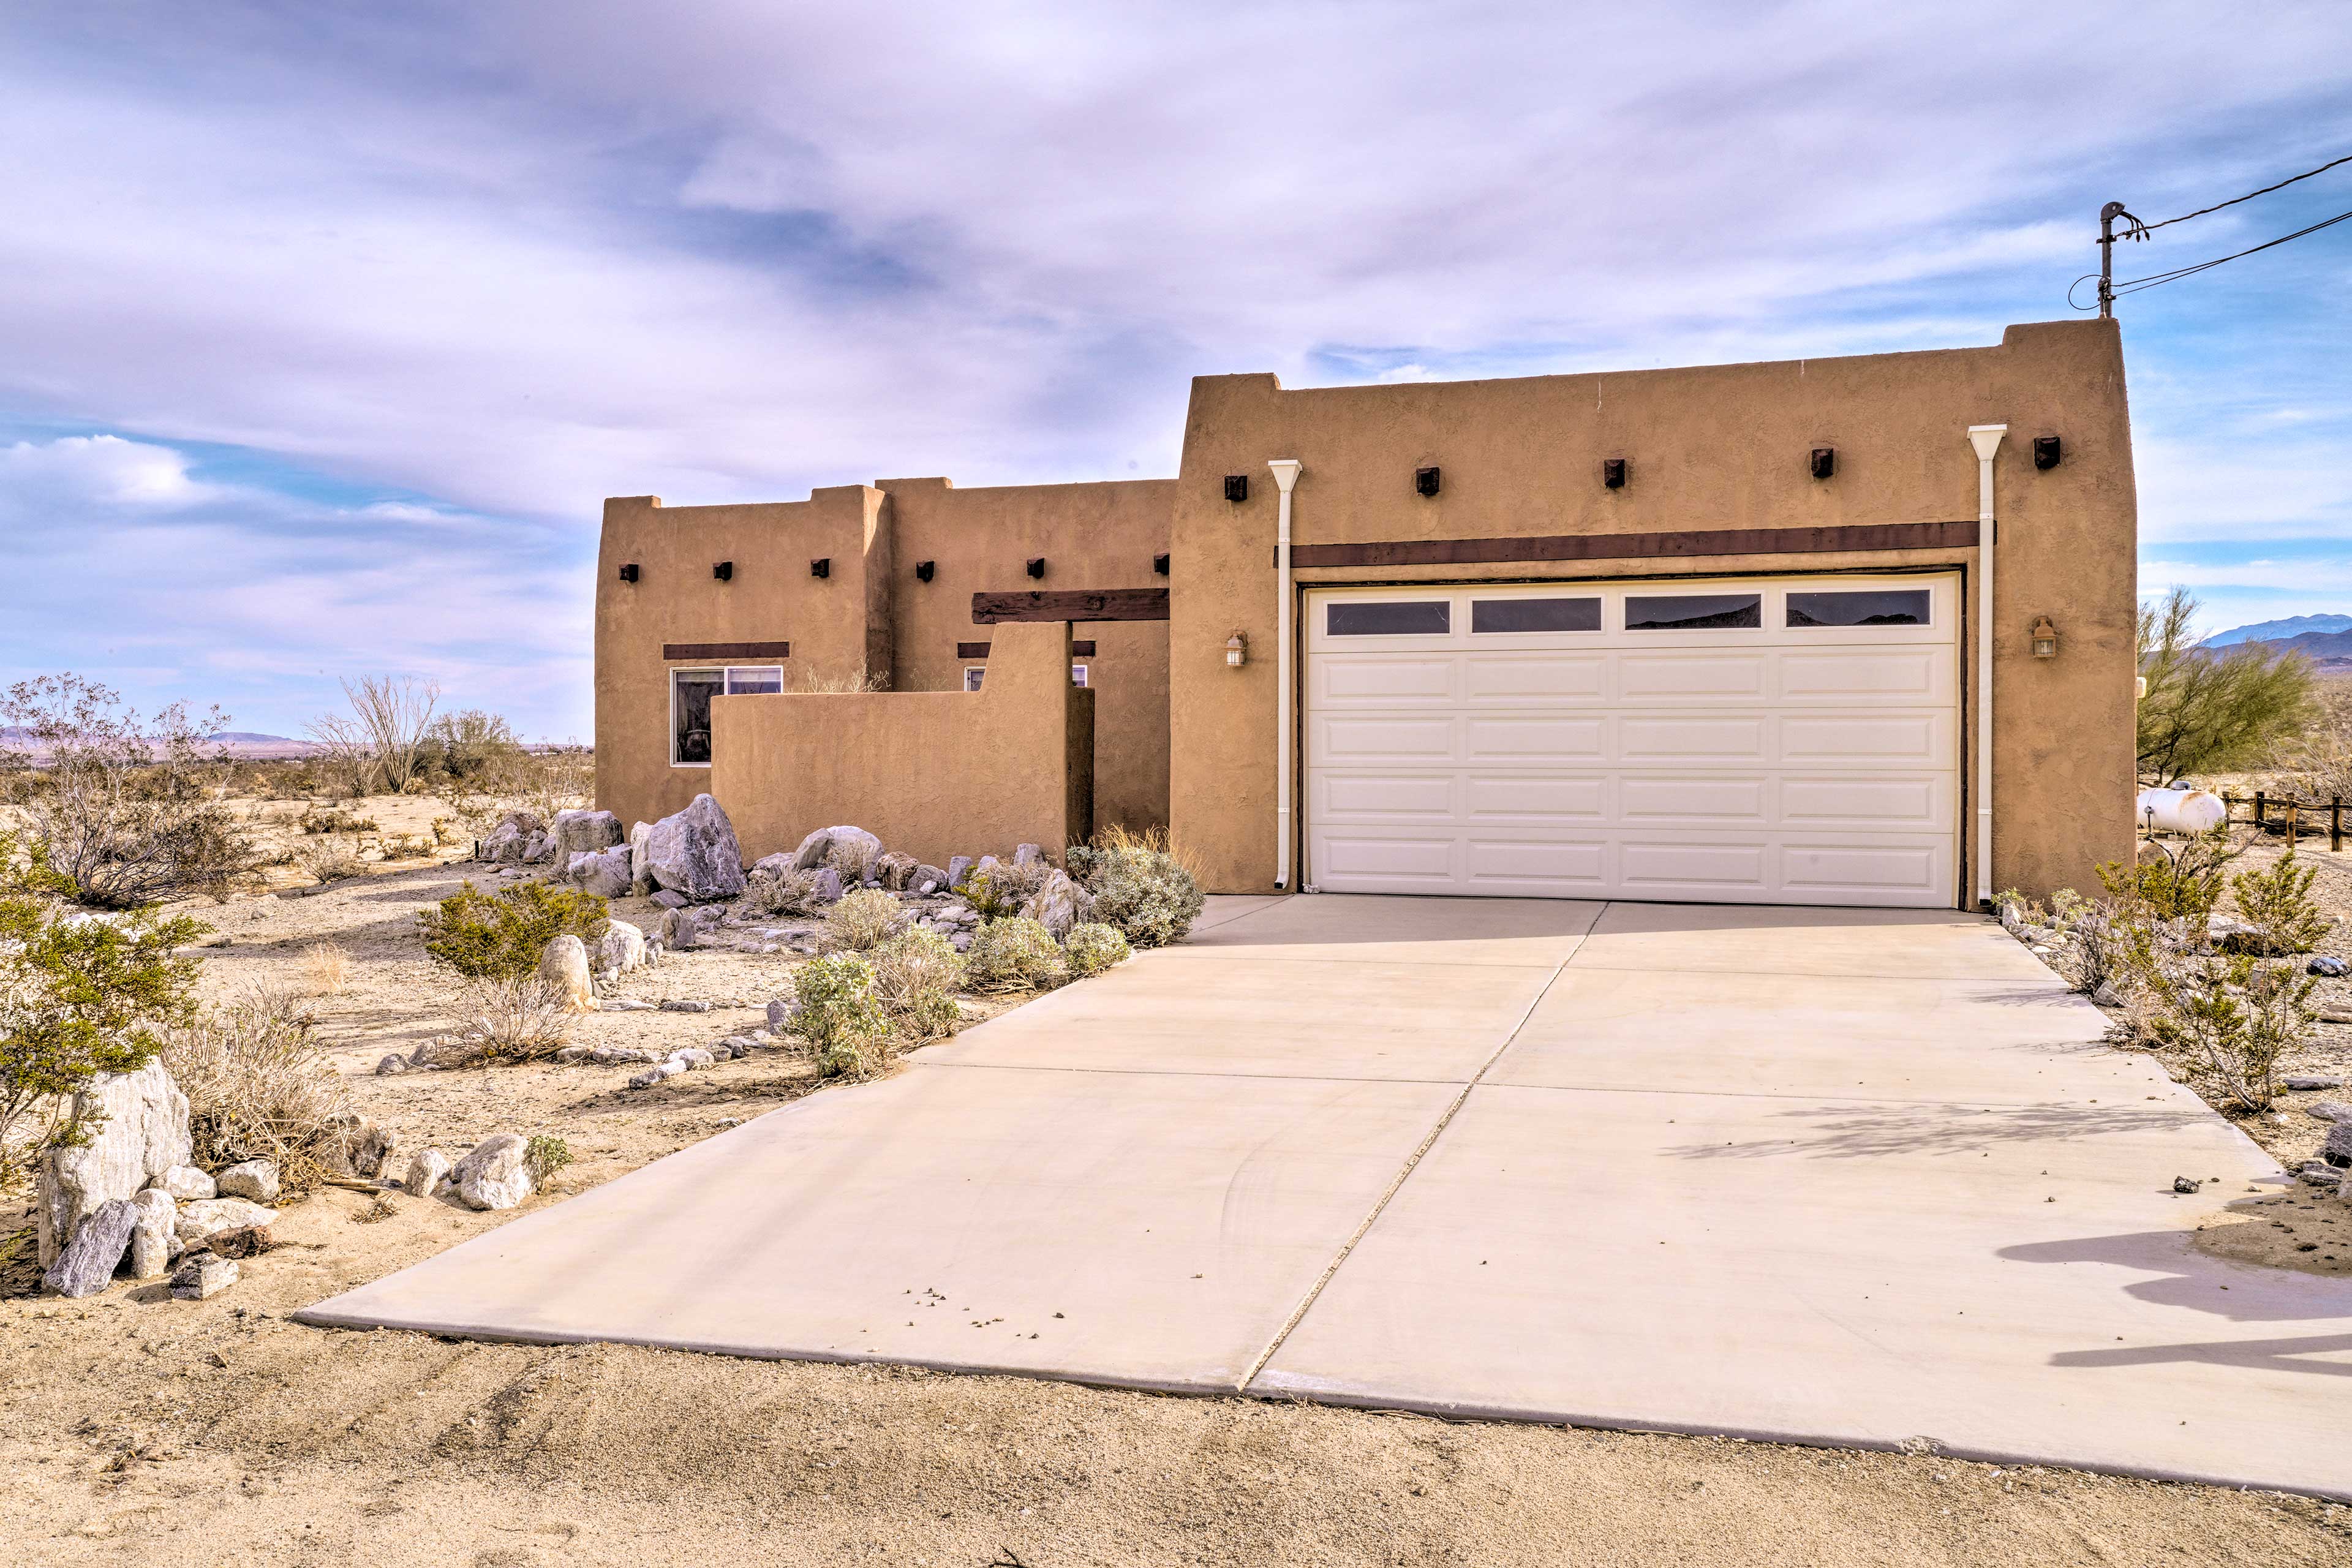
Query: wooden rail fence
2266	817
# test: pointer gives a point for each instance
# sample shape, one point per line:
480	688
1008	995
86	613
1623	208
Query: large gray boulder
519	840
604	872
497	1175
143	1136
817	849
584	832
927	878
959	868
91	1259
694	853
1060	904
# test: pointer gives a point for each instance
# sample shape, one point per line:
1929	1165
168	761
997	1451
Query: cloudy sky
324	328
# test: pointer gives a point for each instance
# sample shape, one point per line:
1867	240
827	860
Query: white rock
563	966
144	1134
186	1183
817	849
254	1179
694	853
210	1216
495	1175
152	1233
621	950
693	1057
641	871
202	1276
428	1169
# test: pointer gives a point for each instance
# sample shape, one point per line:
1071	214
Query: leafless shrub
853	859
346	755
778	893
329	861
512	1019
862	920
259	1086
558	778
395	712
859	679
124	809
326	968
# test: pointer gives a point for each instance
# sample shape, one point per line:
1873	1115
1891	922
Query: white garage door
1780	740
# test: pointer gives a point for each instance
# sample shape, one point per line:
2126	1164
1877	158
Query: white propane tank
2180	810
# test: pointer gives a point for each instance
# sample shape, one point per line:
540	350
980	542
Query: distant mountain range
2330	651
2279	631
251	745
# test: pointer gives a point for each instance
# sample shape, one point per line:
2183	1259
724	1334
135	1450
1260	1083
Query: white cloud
54	479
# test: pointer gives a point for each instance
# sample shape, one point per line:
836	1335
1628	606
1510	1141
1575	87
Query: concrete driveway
1842	1176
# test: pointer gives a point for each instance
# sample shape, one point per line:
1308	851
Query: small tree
2233	1018
2278	903
2210	707
80	995
501	936
122	806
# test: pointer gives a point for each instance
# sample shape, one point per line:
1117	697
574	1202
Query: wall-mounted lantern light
2046	451
1237	650
926	570
1824	462
1613	473
2045	639
821	567
1238	486
1159	565
724	571
1424	480
629	572
1036	567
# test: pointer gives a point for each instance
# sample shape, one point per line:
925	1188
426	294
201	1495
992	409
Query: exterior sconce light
1036	566
1237	650
926	570
1238	486
1824	462
2045	639
1424	480
2046	451
1159	565
724	571
821	567
1613	473
629	572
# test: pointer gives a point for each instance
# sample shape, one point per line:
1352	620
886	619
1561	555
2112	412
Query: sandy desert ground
138	1428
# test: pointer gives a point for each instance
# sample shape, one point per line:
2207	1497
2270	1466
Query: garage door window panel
1499	617
1860	608
1388	617
1694	612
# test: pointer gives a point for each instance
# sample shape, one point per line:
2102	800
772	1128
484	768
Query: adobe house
1847	631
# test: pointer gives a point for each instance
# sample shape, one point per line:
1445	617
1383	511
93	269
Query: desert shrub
510	1018
2317	764
259	1085
839	1017
470	745
334	820
1142	886
443	830
407	846
778	892
1015	954
122	807
326	968
78	996
916	975
2179	882
2233	1019
502	935
557	778
2211	708
853	860
545	1155
382	738
862	920
2278	904
1000	890
1091	949
329	861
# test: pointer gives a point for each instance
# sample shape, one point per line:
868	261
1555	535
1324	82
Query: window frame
677	674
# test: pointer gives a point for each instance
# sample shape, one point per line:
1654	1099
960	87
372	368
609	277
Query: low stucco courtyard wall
935	774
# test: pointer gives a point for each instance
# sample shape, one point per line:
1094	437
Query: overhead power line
2136	285
2135	229
2144	229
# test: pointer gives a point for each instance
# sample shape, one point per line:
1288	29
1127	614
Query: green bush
862	920
916	975
2278	904
2208	709
1016	954
1091	949
2174	884
839	1017
1143	893
77	997
2233	1018
546	1154
997	892
500	936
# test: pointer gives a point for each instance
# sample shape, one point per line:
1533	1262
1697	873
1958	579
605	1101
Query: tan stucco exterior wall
1713	448
934	773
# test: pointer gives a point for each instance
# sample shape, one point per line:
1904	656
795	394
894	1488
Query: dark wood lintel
1642	546
727	650
1071	605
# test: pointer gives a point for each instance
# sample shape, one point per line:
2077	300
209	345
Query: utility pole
2107	216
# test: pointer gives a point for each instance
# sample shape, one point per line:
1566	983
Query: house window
1388	618
1535	616
973	674
1077	675
1860	608
690	691
1692	612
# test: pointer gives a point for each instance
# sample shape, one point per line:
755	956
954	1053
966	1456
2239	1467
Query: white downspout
1985	440
1286	474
